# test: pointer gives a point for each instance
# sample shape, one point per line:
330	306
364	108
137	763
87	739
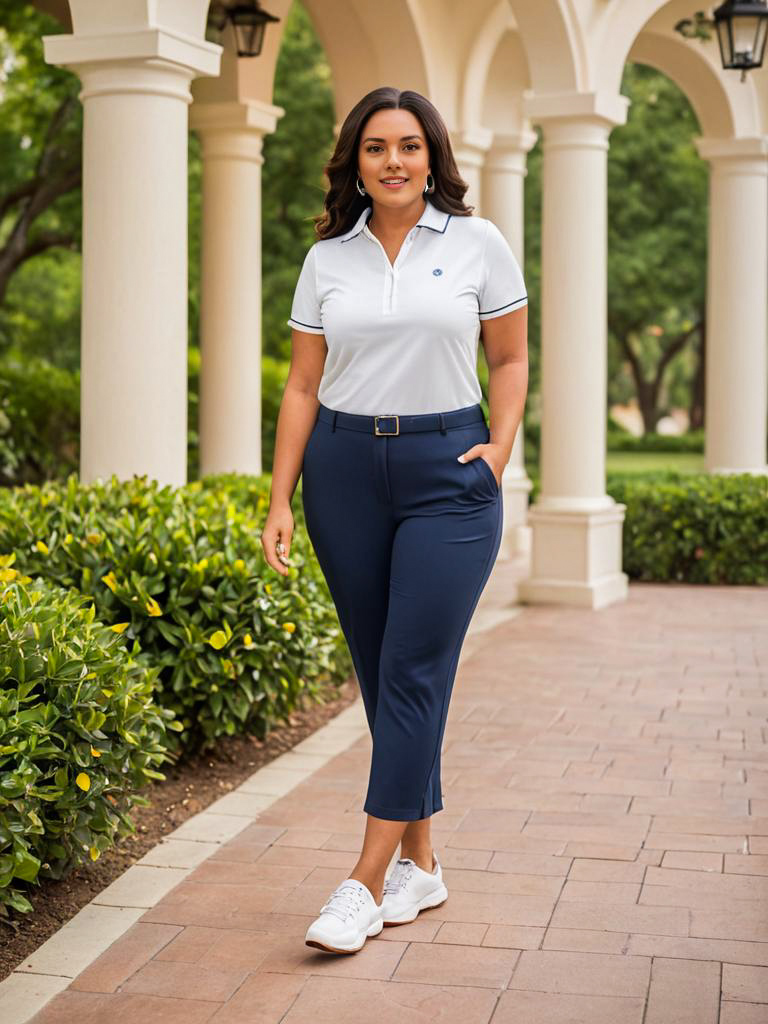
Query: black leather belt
392	424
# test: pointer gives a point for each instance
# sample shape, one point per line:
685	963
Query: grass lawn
643	462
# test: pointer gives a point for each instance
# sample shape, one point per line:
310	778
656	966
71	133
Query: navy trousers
406	537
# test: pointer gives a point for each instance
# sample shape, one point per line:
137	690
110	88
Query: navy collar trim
432	218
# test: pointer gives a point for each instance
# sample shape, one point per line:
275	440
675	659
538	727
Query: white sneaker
349	916
409	889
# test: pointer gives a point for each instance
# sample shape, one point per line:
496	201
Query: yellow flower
268	587
83	781
289	627
111	581
42	546
95	752
94	537
6	575
95	854
202	564
247	639
68	539
239	563
153	607
120	627
218	639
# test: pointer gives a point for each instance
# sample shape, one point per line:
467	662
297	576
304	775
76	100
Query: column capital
255	116
746	154
159	46
509	150
521	141
234	130
471	144
607	109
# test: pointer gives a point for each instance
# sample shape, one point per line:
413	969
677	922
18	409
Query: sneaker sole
434	899
319	944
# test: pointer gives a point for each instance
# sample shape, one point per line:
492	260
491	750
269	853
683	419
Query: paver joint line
603	818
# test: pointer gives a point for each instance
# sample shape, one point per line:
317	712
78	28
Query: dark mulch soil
187	789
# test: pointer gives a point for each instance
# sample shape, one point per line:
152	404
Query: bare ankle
422	858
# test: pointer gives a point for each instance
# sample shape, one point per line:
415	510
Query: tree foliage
657	214
657	238
40	144
293	182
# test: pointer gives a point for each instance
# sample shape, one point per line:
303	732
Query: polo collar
432	218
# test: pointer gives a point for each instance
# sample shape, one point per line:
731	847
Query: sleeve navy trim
317	327
485	312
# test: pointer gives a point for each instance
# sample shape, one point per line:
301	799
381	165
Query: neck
396	221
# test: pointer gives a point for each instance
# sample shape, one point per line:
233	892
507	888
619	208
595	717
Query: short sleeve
502	288
305	310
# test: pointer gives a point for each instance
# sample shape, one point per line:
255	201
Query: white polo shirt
403	338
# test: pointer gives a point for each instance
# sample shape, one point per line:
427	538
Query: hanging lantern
248	21
742	26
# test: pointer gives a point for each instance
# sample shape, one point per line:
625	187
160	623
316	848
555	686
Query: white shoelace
344	902
401	872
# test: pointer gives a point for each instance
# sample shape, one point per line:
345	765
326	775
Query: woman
401	474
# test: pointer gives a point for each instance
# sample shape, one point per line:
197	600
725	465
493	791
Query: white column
503	203
576	553
232	134
135	96
737	305
469	148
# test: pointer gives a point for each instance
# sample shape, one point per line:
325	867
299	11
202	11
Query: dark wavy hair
343	204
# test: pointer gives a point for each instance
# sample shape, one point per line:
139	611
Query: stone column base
576	557
516	534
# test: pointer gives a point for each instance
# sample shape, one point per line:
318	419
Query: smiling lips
393	182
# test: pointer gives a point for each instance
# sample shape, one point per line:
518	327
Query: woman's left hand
493	454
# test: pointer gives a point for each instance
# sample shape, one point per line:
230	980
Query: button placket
390	285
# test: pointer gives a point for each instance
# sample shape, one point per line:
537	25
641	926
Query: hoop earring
427	187
359	186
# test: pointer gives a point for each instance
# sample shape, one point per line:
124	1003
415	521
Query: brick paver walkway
604	843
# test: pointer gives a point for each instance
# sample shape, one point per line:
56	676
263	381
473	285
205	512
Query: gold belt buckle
386	433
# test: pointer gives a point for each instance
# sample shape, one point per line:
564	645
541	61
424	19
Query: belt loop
442	423
333	421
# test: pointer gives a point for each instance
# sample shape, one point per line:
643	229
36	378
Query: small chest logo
437	271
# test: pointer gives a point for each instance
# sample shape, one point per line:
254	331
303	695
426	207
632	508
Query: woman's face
393	145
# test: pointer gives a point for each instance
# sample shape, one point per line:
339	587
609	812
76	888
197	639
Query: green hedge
690	527
79	733
694	527
39	421
619	439
182	571
691	442
40	417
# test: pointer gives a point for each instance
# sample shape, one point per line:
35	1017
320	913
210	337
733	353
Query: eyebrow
372	138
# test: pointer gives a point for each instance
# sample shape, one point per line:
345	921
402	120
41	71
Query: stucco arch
553	35
496	73
358	42
643	30
693	75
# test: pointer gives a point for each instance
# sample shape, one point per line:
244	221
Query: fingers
471	453
275	541
282	553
